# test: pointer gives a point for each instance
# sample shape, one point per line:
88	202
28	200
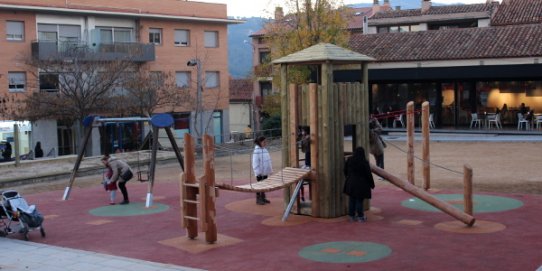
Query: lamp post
199	106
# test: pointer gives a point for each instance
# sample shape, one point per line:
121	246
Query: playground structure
157	121
330	107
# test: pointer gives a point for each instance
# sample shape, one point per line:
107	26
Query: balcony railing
50	50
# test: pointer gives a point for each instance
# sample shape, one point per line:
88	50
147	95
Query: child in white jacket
261	164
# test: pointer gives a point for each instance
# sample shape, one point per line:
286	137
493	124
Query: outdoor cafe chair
521	121
475	121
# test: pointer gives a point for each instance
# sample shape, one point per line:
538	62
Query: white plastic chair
496	119
399	118
475	121
431	122
521	121
538	121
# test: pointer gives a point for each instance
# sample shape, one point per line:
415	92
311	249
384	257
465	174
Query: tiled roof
356	21
240	89
436	10
518	12
323	52
452	44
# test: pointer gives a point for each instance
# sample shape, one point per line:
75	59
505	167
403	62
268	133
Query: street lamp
199	108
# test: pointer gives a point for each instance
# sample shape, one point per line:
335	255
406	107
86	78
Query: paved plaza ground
402	233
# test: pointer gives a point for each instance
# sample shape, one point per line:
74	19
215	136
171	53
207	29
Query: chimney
279	13
365	26
376	6
426	5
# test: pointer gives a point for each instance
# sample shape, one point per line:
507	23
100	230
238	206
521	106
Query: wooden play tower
327	108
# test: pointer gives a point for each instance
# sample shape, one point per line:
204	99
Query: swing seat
279	180
142	176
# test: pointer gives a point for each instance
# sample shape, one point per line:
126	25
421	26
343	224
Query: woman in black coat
358	184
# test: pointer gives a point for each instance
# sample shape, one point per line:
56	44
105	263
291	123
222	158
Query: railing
55	50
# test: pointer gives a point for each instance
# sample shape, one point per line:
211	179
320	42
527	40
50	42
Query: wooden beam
423	195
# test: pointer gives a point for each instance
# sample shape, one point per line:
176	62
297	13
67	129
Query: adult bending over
121	173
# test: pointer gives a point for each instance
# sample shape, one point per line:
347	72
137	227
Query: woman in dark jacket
358	184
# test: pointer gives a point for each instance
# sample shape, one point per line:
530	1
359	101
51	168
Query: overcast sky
264	8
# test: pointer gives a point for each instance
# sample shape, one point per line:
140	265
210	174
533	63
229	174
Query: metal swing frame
157	121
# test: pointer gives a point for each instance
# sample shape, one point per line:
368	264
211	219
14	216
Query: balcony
50	50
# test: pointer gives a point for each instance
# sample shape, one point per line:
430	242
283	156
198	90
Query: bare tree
72	88
147	91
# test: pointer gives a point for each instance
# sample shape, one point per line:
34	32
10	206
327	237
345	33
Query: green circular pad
481	203
131	209
345	252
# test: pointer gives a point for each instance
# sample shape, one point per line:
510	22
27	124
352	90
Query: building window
265	57
14	30
49	82
17	81
212	79
155	35
211	39
110	35
398	28
266	88
182	79
182	37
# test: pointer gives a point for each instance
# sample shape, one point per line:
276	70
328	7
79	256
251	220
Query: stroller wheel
42	231
26	236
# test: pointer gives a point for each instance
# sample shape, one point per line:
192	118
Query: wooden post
425	146
365	107
467	182
188	190
16	144
285	122
292	122
423	195
313	119
207	191
284	111
410	141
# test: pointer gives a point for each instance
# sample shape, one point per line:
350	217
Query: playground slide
425	196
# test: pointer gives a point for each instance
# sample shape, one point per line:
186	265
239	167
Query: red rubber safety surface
245	242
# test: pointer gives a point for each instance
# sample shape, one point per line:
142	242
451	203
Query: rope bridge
279	180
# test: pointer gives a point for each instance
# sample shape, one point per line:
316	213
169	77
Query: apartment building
184	38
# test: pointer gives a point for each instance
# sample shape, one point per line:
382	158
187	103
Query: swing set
157	121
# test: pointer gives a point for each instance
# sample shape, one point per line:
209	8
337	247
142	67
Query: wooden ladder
198	198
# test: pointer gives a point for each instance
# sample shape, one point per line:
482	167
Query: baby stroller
13	208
